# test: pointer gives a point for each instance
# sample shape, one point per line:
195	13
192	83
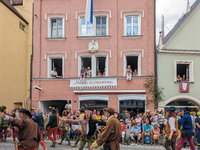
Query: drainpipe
31	64
156	71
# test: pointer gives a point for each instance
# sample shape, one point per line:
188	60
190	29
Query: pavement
9	146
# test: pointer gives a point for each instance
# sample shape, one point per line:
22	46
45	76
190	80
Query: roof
9	6
17	2
180	22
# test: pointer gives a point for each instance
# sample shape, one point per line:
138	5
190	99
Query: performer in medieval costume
111	132
3	125
64	127
82	114
29	132
40	119
88	126
187	130
171	129
52	127
197	123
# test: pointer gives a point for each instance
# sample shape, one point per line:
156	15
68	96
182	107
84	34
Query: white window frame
93	26
93	62
139	23
49	65
79	26
191	69
49	26
139	63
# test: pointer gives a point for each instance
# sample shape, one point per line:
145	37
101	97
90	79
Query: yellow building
16	50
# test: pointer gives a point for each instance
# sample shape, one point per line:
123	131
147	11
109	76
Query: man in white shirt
55	74
68	107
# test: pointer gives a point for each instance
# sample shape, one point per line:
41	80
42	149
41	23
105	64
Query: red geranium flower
4	107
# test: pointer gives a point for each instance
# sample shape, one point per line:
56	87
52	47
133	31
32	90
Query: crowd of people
170	129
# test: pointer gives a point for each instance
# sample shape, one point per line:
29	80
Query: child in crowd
128	121
123	130
128	72
89	72
156	133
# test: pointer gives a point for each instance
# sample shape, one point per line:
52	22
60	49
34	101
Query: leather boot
53	145
68	143
74	145
60	142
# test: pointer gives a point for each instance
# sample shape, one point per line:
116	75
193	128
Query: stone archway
163	105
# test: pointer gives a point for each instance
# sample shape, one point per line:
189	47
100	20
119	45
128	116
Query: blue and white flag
89	11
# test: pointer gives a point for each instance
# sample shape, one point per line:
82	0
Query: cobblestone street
9	146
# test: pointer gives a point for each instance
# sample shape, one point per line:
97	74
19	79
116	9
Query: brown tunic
110	134
28	130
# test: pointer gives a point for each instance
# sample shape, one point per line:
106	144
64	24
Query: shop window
132	106
133	62
101	65
94	104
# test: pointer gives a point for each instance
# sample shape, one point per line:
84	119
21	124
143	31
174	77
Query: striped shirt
161	117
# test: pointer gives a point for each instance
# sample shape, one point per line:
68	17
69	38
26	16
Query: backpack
147	139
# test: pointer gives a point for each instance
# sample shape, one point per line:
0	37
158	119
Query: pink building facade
122	34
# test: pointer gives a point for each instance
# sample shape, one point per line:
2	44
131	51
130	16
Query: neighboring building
16	49
179	54
122	34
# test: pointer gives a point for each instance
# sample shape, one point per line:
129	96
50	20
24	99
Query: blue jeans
161	127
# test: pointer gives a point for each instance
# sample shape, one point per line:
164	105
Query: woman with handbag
171	129
187	130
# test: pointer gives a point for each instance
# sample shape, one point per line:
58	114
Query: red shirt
123	127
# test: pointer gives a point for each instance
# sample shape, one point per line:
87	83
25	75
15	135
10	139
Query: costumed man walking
29	131
3	125
187	133
171	129
52	127
40	119
111	132
64	127
81	116
88	126
197	129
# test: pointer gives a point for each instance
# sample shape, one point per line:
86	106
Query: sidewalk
9	146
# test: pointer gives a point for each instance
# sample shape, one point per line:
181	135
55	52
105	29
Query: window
23	27
132	25
98	28
98	64
86	62
132	106
86	29
101	26
134	61
56	27
94	104
184	68
58	63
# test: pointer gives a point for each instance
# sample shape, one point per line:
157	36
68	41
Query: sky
172	11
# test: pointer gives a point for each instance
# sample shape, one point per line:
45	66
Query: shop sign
93	83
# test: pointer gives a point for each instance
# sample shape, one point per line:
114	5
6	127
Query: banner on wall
184	87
